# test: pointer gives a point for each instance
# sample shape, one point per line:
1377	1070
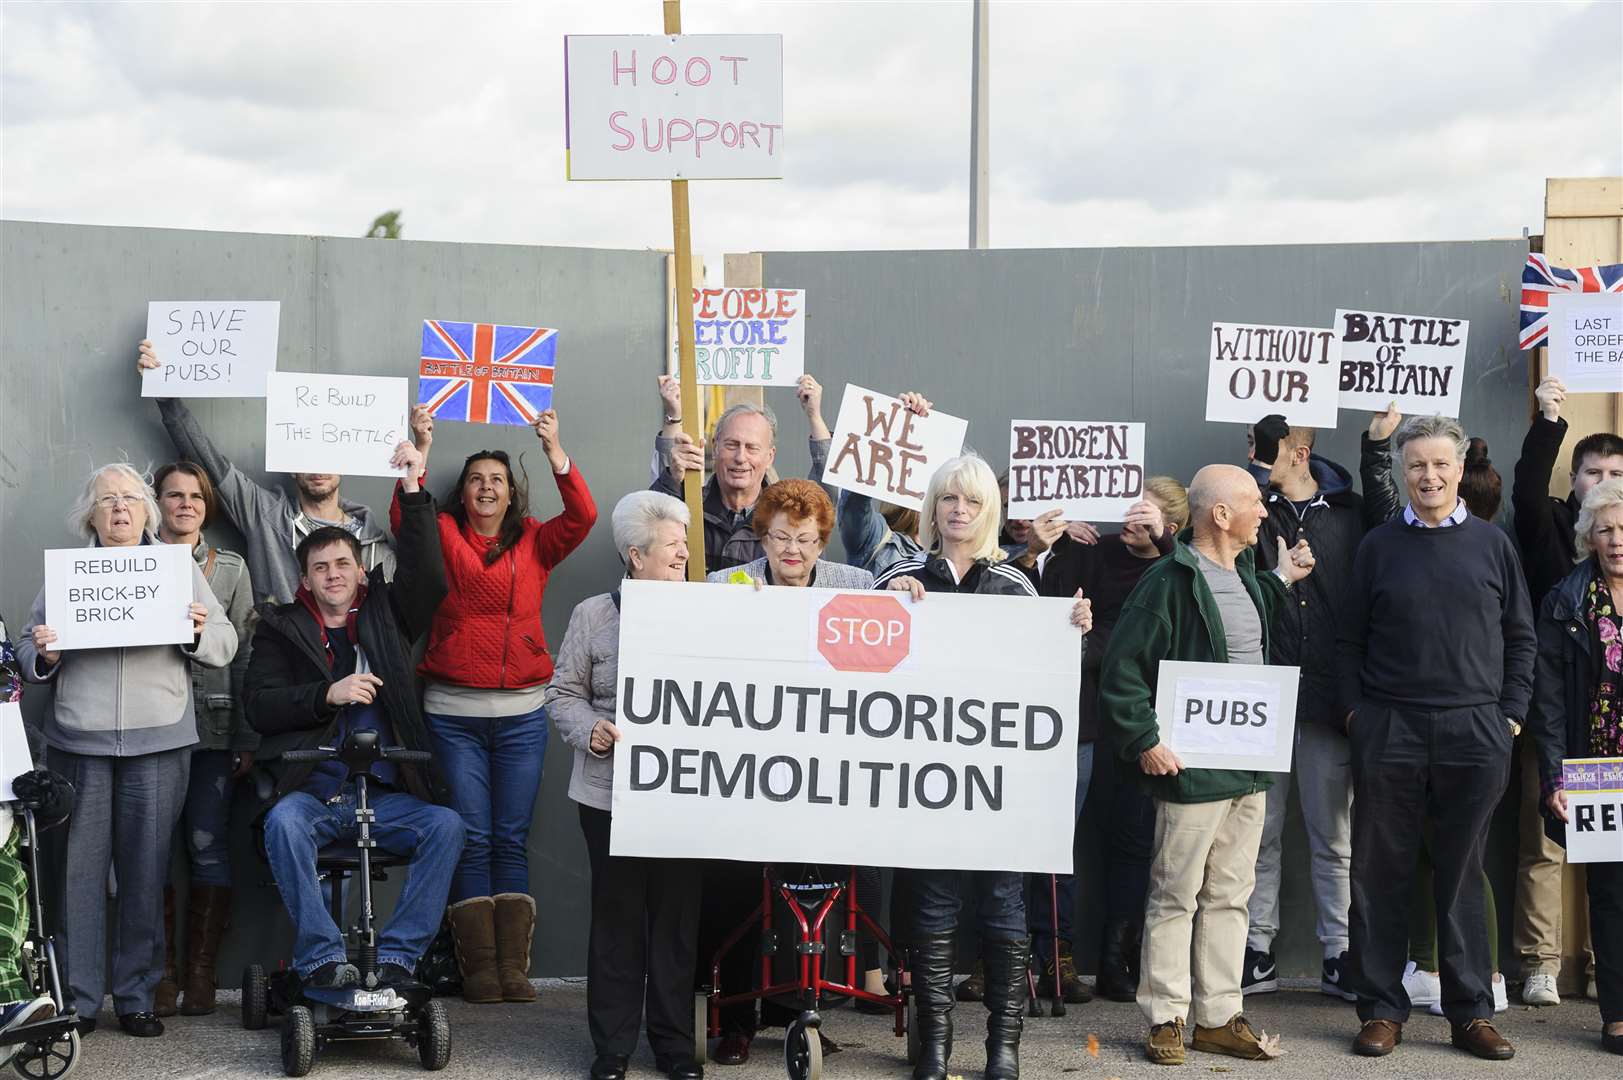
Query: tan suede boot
515	931
163	998
473	929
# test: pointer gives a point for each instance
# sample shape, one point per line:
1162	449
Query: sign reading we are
883	450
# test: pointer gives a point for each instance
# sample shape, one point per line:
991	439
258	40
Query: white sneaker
1423	987
1538	990
1501	1000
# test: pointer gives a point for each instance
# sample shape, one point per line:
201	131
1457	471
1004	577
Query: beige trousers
1195	918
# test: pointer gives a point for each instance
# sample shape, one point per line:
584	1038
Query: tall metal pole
980	141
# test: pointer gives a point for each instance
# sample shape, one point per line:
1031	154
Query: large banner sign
1418	362
111	597
883	450
748	337
688	107
1092	472
1586	341
1594	805
1228	716
1255	371
211	348
811	725
346	424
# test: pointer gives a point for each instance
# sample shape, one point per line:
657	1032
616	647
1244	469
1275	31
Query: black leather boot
1005	1005
931	964
1118	963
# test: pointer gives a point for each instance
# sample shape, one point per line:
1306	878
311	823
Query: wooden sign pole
693	481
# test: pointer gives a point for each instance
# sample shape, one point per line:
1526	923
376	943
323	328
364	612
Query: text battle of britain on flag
485	373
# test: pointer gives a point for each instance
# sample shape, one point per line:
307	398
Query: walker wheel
701	1028
298	1041
48	1060
912	1021
434	1036
803	1052
255	997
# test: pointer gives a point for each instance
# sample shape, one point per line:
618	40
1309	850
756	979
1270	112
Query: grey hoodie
269	519
132	701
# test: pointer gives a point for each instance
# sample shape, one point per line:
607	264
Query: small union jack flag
483	373
1540	279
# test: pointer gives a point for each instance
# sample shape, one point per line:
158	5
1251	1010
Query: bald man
1207	604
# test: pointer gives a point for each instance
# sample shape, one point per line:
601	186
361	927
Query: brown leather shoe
1481	1038
732	1050
1164	1044
1378	1038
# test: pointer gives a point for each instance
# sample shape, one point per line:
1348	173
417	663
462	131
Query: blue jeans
1038	910
494	768
300	825
1000	905
207	818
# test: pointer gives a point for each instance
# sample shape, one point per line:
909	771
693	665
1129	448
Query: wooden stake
693	482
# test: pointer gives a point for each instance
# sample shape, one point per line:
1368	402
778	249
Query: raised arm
1382	502
419	581
563	533
1531	509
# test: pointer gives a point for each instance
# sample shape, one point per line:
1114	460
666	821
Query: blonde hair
1601	497
1173	499
84	507
971	477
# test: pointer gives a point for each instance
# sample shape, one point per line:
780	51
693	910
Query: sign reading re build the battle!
1256	371
346	424
1416	361
1090	472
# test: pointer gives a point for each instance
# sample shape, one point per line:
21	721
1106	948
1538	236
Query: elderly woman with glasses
121	729
486	672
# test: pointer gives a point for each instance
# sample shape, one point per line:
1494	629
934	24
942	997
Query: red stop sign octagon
864	633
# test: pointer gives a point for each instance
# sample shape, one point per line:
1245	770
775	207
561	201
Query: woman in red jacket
486	672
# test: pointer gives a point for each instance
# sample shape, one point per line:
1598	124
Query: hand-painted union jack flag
1540	279
486	374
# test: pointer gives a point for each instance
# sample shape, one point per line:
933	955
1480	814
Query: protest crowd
1435	647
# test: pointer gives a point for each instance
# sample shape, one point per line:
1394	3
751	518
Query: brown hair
1480	484
1172	497
196	472
902	521
802	500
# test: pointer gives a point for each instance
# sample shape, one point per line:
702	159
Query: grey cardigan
827	575
216	691
583	691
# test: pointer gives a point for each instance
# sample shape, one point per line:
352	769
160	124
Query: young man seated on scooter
335	661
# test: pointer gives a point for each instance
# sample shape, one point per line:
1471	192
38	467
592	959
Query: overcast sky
1112	124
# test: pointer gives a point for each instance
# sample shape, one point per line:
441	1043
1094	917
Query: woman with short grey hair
645	912
121	728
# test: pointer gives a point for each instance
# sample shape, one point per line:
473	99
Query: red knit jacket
487	632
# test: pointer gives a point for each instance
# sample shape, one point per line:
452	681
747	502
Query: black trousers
1444	769
731	890
1126	835
645	921
1606	928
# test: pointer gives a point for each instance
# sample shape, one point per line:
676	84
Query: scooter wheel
255	997
51	1060
912	1021
434	1036
803	1052
298	1041
701	1028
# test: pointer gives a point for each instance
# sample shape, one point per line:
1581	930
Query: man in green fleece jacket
1205	603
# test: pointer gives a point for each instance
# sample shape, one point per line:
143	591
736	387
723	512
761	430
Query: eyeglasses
785	541
113	502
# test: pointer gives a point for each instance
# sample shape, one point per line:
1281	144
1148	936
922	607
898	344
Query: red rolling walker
811	901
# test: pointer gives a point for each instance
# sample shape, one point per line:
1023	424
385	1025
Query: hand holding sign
604	736
1382	424
1082	613
200	615
546	429
1159	760
1551	395
1045	529
44	637
210	348
686	456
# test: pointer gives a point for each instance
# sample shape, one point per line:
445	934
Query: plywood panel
1593	196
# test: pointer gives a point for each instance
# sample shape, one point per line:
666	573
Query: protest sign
1594	789
15	758
683	107
749	337
1255	371
811	725
1586	341
1419	362
483	373
1091	472
211	348
883	450
111	597
1228	716
346	424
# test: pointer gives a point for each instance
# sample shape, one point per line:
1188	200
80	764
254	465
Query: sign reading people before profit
115	597
749	337
1090	472
1417	361
211	348
346	424
673	107
1255	371
882	449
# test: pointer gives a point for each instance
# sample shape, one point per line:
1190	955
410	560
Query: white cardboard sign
851	728
659	107
1092	472
15	758
211	348
1594	788
883	450
1586	341
1228	716
346	424
114	597
748	337
1417	361
1255	371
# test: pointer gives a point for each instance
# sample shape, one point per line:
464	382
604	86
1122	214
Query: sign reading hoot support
1228	716
811	725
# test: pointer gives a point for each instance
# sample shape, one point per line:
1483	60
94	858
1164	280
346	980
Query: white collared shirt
1456	518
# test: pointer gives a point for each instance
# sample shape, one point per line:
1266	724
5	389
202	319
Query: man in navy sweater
1436	658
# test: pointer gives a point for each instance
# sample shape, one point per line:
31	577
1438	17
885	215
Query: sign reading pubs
810	725
346	424
749	337
1228	716
685	107
1586	341
1594	789
113	597
211	348
1419	362
1256	371
883	450
1092	472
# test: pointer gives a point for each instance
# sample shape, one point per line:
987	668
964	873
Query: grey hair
1428	427
79	516
745	408
1601	497
636	515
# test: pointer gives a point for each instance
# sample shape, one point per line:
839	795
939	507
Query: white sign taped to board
1228	716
